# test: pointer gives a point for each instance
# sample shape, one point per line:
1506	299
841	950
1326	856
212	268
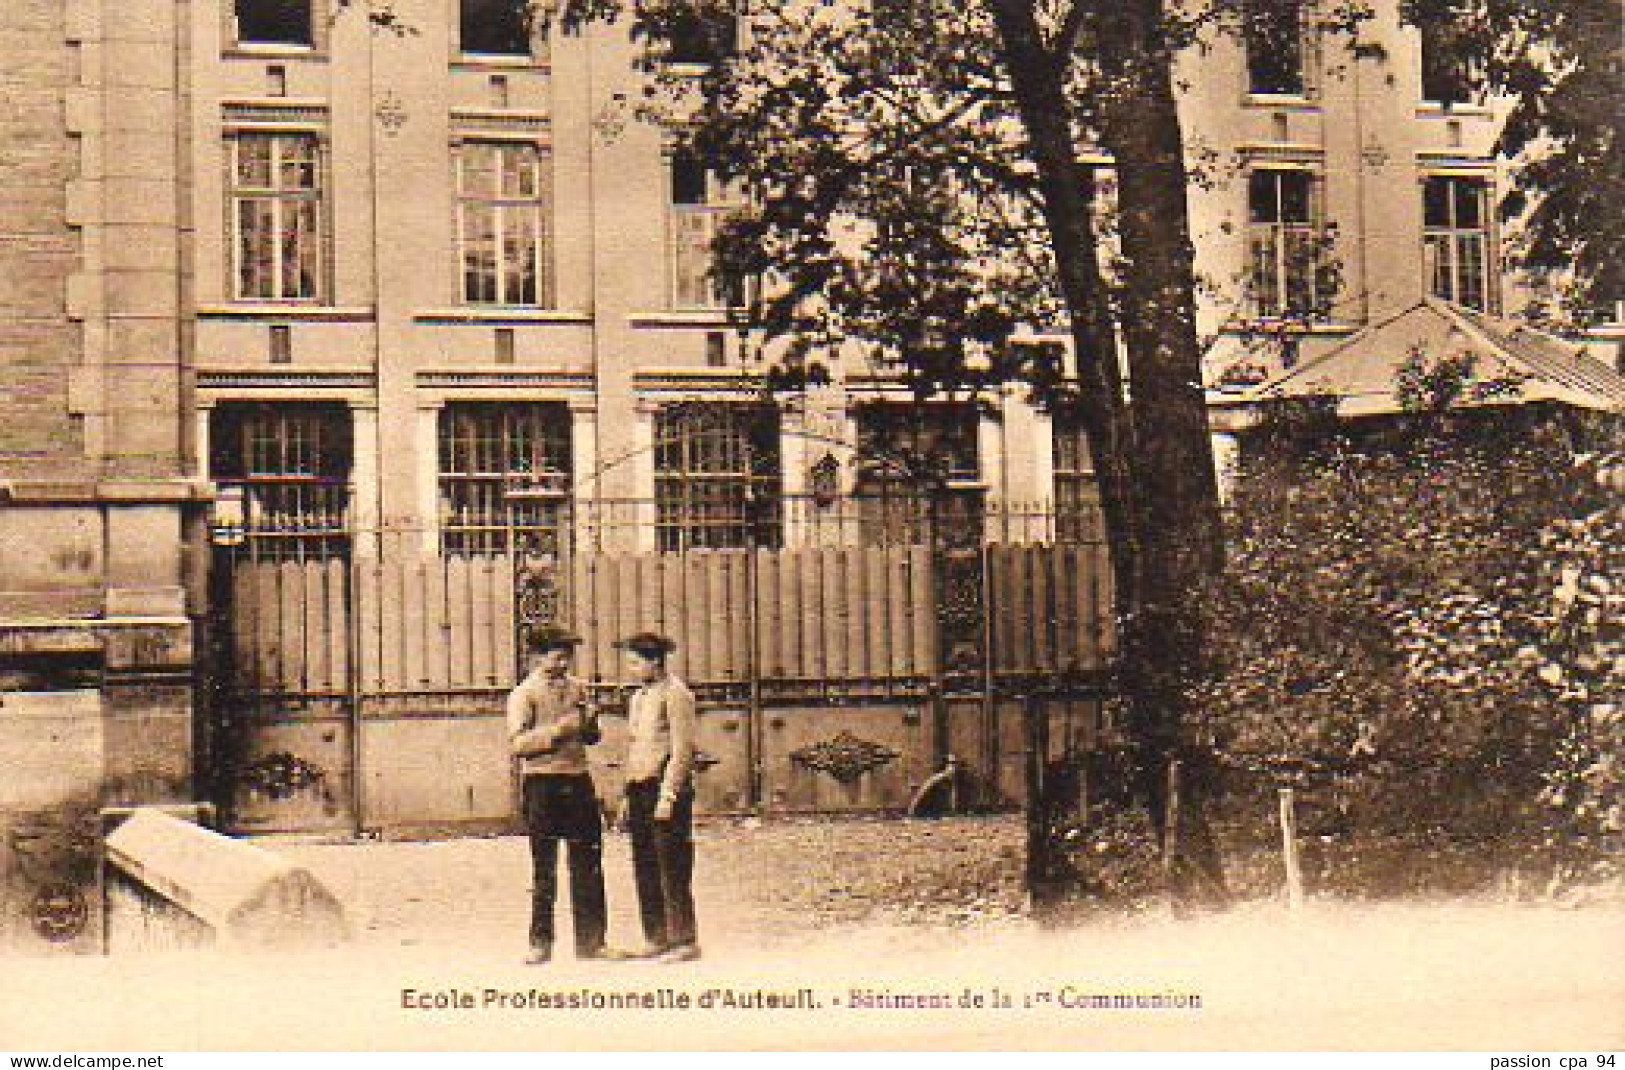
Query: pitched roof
1361	371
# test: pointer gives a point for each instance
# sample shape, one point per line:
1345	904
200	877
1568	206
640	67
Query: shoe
540	955
681	953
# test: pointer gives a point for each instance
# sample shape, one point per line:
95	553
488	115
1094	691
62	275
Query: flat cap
648	644
552	637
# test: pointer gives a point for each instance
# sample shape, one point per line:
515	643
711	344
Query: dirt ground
878	922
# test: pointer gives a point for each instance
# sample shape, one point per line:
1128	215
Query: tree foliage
1557	65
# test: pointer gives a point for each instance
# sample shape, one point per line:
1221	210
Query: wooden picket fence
425	622
366	690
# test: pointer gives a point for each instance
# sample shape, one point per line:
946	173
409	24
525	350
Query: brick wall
38	251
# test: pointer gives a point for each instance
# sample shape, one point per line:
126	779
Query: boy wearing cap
660	798
550	724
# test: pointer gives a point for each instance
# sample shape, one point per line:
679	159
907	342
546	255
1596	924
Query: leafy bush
1420	627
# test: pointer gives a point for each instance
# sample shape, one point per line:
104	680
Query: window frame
1074	481
503	208
318	488
1451	238
1283	235
280	200
732	505
314	37
894	506
532	51
1464	74
691	232
477	513
1307	58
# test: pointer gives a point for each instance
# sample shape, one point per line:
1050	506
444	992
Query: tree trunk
1150	444
1165	635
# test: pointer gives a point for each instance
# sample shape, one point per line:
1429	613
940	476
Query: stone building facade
99	489
489	245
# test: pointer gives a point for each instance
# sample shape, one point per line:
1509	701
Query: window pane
256	249
254	161
702	38
1274	41
498	27
519	259
479	170
302	249
293	463
1469	201
688	179
285	22
479	253
1263	197
1295	195
519	171
1470	257
1436	202
297	165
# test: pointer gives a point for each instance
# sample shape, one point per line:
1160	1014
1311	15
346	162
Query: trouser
663	864
566	808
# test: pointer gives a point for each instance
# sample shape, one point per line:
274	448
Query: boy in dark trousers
550	725
660	798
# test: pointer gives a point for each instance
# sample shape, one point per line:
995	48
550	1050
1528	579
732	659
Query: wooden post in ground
1289	849
1170	835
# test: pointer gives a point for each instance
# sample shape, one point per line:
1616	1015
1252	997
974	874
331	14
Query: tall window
504	475
1449	73
698	206
717	476
1274	35
274	22
1077	491
1456	238
276	212
495	27
292	462
502	235
918	473
1283	242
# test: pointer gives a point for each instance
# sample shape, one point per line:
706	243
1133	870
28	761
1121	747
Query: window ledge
1289	101
498	61
485	315
271	50
682	317
1466	110
258	310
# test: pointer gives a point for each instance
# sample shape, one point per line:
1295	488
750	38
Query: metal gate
357	684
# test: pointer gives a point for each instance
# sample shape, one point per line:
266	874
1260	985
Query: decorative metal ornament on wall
282	775
845	757
59	913
824	480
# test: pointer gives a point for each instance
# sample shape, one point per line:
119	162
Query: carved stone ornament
391	113
845	757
